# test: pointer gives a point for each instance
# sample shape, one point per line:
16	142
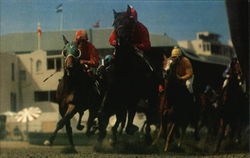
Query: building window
12	71
204	47
58	64
13	105
22	75
45	96
50	63
54	63
208	47
199	45
38	65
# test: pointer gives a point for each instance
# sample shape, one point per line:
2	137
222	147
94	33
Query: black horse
75	93
209	117
178	107
132	78
233	105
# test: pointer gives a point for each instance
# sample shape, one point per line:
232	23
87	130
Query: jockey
106	66
233	67
140	36
184	69
89	54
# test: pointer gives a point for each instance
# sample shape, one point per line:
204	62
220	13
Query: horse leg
158	135
123	122
115	127
103	117
148	135
236	129
197	127
90	122
60	124
170	129
79	126
103	123
183	132
143	126
131	128
69	132
105	112
160	130
153	115
221	135
120	119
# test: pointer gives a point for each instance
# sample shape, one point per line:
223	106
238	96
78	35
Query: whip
49	76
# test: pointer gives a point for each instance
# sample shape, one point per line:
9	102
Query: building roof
26	42
210	59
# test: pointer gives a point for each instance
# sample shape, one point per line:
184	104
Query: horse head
169	68
124	26
235	69
71	55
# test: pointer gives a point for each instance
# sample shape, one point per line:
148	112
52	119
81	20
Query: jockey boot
131	129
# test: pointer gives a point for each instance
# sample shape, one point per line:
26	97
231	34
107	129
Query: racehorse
177	104
131	77
233	105
75	93
209	115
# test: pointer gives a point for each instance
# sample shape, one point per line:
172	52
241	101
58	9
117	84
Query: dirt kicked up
12	149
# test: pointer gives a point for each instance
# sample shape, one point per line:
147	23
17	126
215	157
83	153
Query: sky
179	19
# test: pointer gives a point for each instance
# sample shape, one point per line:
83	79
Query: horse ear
65	40
128	10
114	12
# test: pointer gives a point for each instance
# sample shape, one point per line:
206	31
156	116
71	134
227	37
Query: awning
211	59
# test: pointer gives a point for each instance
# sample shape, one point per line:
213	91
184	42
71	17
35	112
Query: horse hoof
131	129
165	149
80	127
47	143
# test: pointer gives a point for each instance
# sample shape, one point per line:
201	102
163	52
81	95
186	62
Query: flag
59	8
96	25
39	30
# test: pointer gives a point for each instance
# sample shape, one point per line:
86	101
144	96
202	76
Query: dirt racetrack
13	149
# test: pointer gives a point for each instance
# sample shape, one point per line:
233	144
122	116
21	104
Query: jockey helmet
176	52
81	34
107	59
133	12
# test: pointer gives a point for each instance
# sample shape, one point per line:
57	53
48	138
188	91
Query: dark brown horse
132	78
177	105
75	93
233	105
208	121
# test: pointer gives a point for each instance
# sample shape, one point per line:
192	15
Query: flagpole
59	9
39	32
61	22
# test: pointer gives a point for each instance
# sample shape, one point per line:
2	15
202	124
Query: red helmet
133	12
81	34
